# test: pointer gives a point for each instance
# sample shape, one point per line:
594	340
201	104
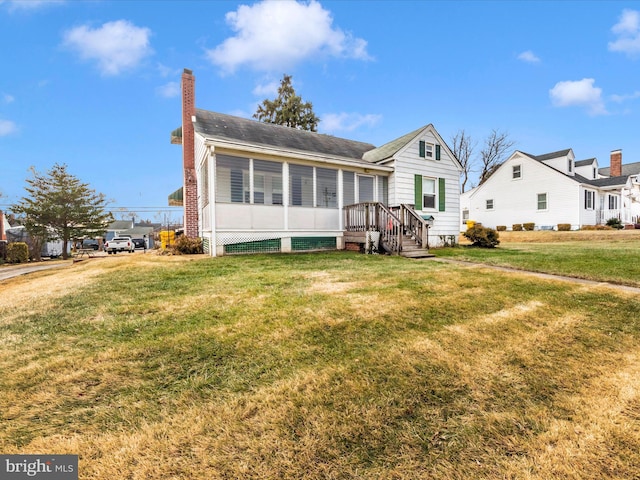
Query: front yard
317	366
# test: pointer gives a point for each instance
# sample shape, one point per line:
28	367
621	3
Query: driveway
11	271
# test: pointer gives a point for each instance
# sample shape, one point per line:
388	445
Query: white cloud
116	46
579	93
7	127
627	31
275	35
13	5
529	57
624	98
6	98
169	90
347	122
267	89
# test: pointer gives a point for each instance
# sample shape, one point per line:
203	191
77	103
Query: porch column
285	194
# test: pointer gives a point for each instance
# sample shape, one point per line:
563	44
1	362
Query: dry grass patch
323	366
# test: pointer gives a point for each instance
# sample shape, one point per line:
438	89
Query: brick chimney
2	235
190	191
615	166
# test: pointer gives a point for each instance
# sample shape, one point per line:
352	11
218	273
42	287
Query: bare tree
496	146
463	146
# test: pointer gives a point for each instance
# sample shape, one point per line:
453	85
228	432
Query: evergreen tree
60	206
288	109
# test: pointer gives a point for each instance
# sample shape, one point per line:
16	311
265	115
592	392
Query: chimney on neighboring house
615	166
190	193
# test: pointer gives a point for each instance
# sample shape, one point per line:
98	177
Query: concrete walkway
546	276
11	271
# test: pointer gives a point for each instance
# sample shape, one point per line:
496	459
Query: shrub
187	245
17	252
3	250
564	227
529	226
615	223
501	228
516	227
482	236
595	227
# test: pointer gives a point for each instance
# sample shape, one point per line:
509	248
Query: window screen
349	188
301	185
365	188
232	179
383	190
267	182
326	188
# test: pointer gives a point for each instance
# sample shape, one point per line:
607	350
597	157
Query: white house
251	186
553	189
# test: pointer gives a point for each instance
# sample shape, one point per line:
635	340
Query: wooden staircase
401	230
412	249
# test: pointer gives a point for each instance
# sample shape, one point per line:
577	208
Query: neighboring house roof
549	156
583	163
600	182
609	181
139	231
120	225
627	169
227	127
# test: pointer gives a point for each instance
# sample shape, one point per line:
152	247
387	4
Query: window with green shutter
422	149
437	152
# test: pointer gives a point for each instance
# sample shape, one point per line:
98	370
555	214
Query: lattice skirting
238	243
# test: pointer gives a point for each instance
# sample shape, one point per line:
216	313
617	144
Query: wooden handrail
392	223
415	225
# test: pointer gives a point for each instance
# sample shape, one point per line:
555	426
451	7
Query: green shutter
418	192
437	152
441	195
422	149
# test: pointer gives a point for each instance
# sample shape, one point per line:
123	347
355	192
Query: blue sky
95	84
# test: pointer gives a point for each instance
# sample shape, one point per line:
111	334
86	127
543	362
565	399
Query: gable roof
389	149
584	163
548	156
627	169
227	127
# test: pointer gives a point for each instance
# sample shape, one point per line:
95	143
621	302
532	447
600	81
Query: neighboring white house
553	189
252	186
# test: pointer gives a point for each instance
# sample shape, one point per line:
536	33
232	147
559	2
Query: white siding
516	200
408	164
562	163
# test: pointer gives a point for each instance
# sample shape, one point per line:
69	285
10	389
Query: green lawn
617	262
318	366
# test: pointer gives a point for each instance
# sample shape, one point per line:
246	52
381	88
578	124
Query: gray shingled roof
227	127
628	169
389	149
549	156
600	182
582	163
609	181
